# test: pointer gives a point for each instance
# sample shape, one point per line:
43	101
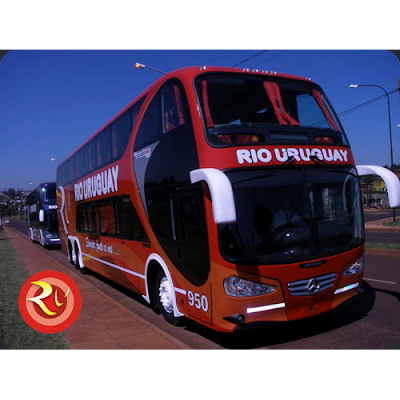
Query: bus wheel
70	254
164	298
42	243
77	264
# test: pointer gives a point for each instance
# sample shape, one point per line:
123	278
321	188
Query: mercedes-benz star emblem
313	285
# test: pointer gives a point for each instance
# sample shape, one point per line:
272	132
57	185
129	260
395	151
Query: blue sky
51	101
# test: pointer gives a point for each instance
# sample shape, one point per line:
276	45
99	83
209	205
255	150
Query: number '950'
198	301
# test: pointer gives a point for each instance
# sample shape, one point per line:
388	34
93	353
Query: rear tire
163	295
42	242
77	264
31	235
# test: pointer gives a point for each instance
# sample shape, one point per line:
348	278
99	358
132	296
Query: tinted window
174	107
252	109
120	132
108	223
115	217
80	163
49	193
192	220
105	147
103	143
129	222
135	110
72	169
150	128
291	215
94	220
65	172
91	156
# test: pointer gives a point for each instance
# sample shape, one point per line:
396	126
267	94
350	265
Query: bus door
134	245
193	252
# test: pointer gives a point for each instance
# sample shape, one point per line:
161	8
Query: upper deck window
49	193
244	109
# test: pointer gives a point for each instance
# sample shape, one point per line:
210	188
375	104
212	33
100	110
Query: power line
270	58
367	103
250	58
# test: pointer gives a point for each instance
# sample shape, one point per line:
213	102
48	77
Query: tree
11	193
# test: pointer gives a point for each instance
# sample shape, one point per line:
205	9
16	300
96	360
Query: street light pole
390	128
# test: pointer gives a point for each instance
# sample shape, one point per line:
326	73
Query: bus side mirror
41	216
391	181
223	201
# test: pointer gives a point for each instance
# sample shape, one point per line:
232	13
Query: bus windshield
240	109
292	214
50	222
49	194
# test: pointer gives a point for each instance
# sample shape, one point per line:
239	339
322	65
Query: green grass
395	223
14	332
393	246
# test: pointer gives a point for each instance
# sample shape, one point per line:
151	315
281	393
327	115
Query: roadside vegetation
392	246
14	332
395	223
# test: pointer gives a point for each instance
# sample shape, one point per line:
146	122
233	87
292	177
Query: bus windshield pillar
222	198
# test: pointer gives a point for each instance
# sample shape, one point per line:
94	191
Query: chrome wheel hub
165	293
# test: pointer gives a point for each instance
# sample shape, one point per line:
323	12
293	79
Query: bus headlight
238	287
356	268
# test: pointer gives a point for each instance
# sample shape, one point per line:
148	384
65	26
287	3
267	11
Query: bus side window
80	164
135	110
128	221
174	110
91	156
103	144
120	132
192	224
150	127
108	223
85	219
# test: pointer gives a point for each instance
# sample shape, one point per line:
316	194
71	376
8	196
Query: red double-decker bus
228	196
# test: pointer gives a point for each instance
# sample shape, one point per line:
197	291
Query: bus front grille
311	286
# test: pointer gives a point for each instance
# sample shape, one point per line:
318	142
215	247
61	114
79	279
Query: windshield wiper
289	161
330	169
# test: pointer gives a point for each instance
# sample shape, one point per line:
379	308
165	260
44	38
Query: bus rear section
42	215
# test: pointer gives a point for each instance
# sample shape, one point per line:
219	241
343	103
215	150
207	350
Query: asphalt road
370	322
370	216
382	237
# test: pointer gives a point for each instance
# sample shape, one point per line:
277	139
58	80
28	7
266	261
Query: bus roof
41	185
187	73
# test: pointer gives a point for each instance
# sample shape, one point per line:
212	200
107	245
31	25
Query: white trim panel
61	210
160	261
128	271
223	201
392	182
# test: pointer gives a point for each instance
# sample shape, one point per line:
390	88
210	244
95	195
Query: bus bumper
281	305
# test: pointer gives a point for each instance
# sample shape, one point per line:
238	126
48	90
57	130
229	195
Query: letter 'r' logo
49	301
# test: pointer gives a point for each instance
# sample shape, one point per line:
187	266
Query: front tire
164	295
